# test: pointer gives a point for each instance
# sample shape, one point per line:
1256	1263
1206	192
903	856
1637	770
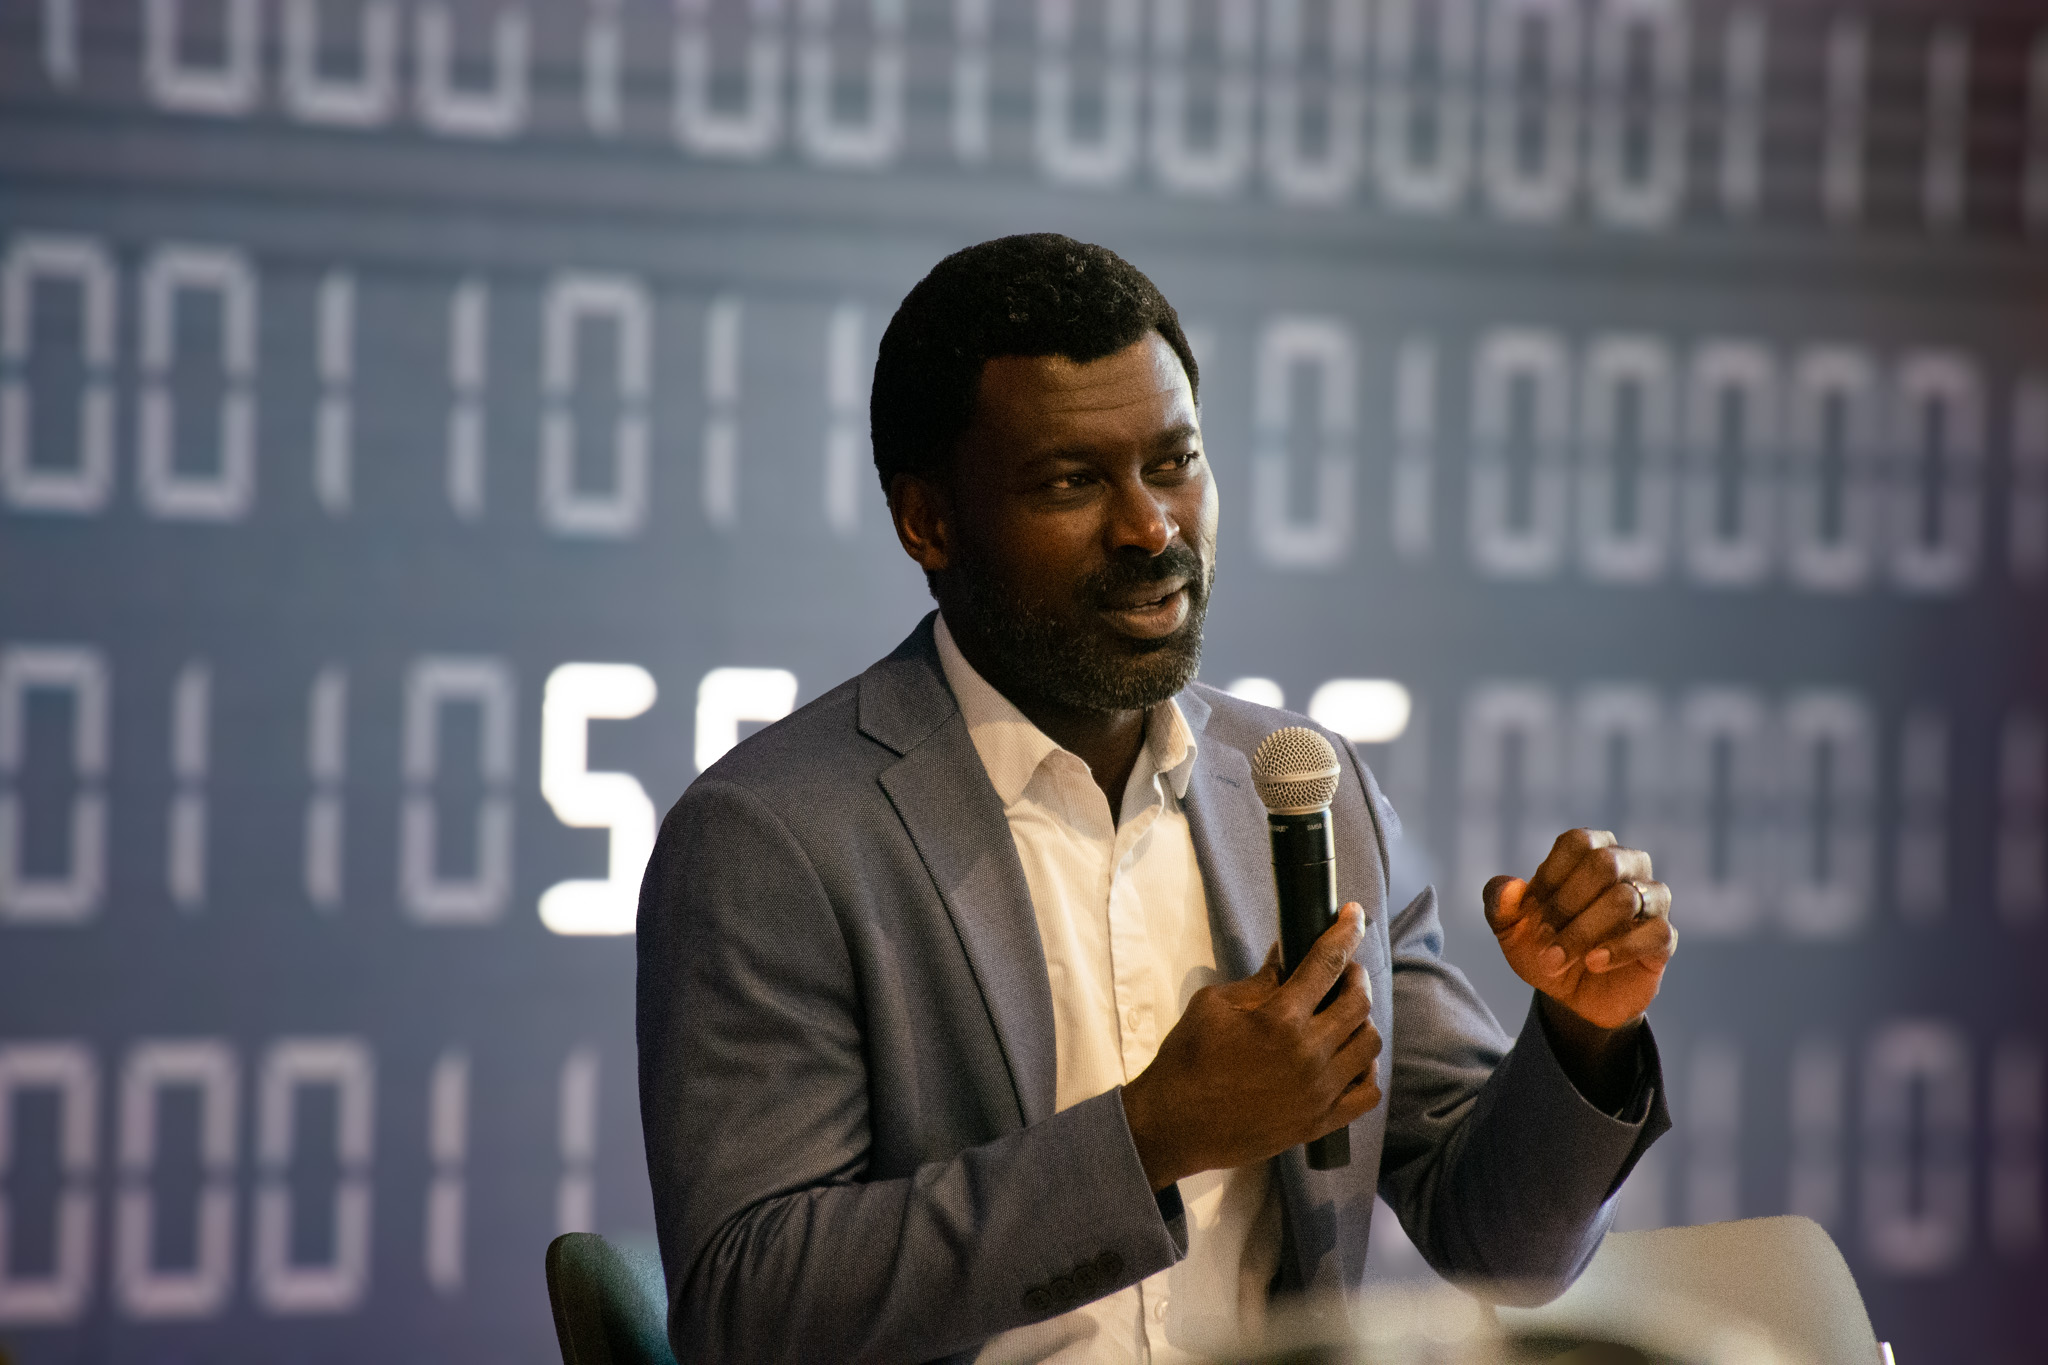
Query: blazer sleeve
775	1242
1497	1167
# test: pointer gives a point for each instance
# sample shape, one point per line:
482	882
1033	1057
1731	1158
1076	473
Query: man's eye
1068	482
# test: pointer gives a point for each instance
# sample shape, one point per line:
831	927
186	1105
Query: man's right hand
1252	1068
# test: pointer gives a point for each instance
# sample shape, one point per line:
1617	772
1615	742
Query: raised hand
1252	1068
1591	930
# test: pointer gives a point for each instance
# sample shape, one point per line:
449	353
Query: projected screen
431	432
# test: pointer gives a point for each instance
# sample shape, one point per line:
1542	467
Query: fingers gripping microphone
1296	772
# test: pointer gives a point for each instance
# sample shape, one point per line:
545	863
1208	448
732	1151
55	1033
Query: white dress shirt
1125	927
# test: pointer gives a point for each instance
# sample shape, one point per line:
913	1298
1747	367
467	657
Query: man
955	1040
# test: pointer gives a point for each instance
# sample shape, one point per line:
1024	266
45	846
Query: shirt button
1131	1019
1159	1309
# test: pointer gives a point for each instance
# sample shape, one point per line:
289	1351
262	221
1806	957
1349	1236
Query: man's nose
1140	519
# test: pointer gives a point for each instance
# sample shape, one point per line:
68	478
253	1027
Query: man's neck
1109	742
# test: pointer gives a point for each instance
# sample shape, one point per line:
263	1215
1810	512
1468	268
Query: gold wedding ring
1642	901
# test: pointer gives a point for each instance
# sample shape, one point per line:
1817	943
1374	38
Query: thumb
1504	900
1315	974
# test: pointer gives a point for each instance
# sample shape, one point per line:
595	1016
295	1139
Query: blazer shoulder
1241	724
818	743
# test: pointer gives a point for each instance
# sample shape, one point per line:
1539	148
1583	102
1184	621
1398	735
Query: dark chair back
611	1304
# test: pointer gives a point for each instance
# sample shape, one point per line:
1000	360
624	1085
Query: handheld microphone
1295	772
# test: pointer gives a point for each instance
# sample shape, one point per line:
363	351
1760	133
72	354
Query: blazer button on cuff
1062	1288
1036	1299
1110	1267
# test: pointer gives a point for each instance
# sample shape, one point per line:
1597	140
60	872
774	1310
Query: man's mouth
1151	612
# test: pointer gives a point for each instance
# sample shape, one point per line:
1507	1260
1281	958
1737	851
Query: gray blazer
846	1054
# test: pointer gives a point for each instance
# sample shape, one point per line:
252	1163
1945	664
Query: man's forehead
1145	377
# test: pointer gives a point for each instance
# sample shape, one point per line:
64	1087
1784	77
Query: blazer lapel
941	792
1231	847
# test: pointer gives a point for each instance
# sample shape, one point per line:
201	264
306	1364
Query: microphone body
1296	772
1305	873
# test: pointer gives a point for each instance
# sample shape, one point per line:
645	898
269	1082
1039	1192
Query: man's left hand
1591	930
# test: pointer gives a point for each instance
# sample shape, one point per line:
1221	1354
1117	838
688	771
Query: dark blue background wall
1654	390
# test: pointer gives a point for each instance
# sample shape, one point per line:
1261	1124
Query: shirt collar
1012	748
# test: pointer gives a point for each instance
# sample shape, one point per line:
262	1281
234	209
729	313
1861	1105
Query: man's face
1082	535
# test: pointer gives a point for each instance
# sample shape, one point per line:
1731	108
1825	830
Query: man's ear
923	516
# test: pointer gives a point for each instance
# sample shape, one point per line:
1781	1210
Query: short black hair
1036	294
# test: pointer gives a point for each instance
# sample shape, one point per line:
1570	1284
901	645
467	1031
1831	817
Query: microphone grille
1295	770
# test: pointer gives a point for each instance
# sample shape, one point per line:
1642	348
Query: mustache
1121	576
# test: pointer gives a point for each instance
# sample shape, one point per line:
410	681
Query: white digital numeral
1363	710
721	487
1263	691
1713	1136
226	492
146	1289
2020	860
364	98
1422	148
191	745
1830	789
847	361
1521	34
1178	159
1510	778
327	768
1730	485
497	110
604	50
60	41
447	1192
1323	347
751	132
1920	866
60	1295
430	895
176	83
1413	506
1938	445
970	80
1617	763
2027	515
1064	154
283	1284
1846	59
82	487
1945	170
577	694
1297	173
469	316
573	301
1835	440
1719	828
1917	1135
1637	147
1625	514
73	895
576	1140
1819	1099
334	410
728	696
830	140
1744	111
1521	395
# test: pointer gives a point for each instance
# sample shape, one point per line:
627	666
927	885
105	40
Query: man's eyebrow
1176	434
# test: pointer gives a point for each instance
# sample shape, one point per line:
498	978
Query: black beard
1066	662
